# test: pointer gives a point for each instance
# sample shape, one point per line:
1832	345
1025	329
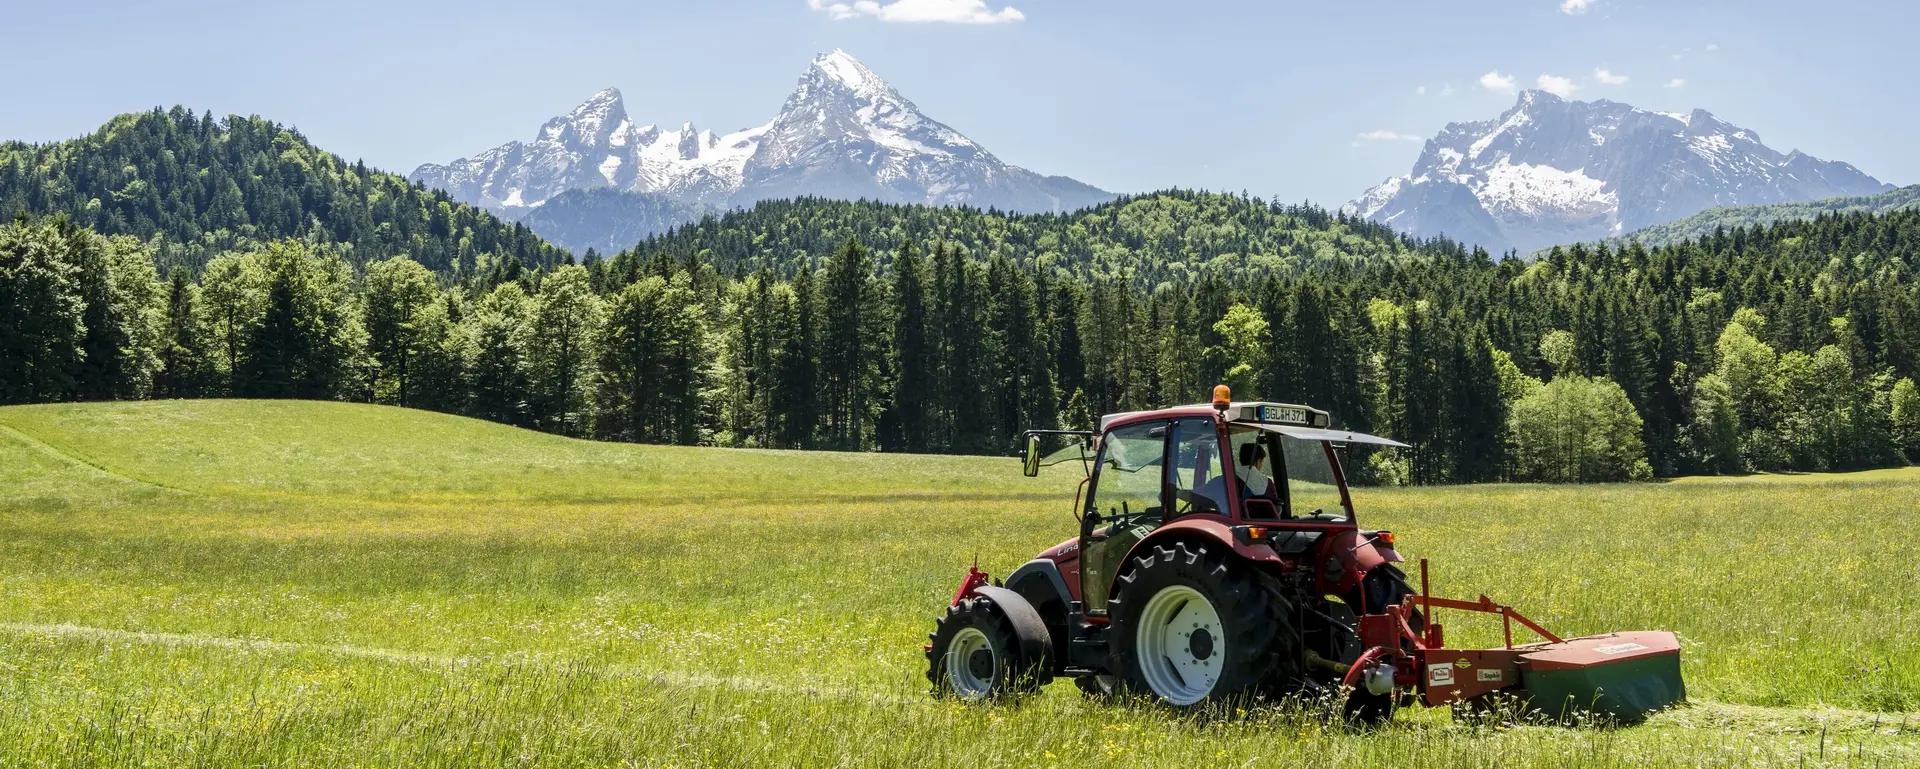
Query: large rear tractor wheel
1194	628
975	655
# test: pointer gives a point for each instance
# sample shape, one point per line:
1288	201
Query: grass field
228	583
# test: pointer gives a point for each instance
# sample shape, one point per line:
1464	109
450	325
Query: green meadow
244	583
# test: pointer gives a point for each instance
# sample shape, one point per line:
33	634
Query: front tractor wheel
1195	628
976	655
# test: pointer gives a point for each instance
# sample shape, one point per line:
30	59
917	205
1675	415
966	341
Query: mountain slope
202	186
844	133
606	220
1551	171
1703	224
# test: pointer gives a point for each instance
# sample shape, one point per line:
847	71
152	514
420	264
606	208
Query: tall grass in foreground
291	584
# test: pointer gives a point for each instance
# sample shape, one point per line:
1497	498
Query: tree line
1789	347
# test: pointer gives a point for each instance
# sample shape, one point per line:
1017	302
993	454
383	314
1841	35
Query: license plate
1283	414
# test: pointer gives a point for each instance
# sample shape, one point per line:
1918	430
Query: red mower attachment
1619	677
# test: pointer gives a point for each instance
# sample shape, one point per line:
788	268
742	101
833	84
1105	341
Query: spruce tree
915	361
302	345
497	337
797	400
852	343
186	366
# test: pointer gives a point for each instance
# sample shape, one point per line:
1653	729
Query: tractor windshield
1293	473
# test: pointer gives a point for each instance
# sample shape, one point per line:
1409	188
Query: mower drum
1618	677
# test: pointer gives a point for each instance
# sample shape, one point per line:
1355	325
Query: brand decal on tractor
1220	556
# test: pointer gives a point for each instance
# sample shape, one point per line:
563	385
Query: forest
193	187
171	255
1789	348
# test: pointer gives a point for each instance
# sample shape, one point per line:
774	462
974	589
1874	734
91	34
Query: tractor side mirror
1032	466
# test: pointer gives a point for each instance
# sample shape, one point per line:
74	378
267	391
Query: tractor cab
1243	472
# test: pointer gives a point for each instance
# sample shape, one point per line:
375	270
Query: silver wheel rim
1181	647
965	682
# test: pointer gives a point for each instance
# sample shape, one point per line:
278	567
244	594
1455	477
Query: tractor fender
1048	592
1039	581
1207	529
1036	645
1348	556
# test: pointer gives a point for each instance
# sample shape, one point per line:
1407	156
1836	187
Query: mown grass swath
317	584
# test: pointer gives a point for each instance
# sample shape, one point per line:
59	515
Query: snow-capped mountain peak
1550	170
839	67
843	132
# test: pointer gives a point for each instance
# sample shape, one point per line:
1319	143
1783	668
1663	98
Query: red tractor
1220	557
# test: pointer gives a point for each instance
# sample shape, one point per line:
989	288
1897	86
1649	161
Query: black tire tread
1023	676
1258	615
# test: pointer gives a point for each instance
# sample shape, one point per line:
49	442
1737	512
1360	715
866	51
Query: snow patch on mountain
1539	190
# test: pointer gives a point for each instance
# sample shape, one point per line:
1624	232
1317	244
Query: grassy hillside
318	584
1703	224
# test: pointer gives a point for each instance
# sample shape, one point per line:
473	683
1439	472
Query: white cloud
1384	135
1713	46
1446	90
1608	78
1557	85
1677	83
1575	7
1496	82
1420	90
919	11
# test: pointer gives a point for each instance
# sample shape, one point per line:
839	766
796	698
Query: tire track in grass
423	659
1699	714
73	457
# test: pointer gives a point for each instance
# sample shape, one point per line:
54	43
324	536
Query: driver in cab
1255	481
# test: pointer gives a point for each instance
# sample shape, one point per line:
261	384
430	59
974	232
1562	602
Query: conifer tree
301	347
497	339
797	400
186	368
650	365
1477	412
915	361
853	327
437	361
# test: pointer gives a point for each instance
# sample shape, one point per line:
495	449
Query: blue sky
1271	96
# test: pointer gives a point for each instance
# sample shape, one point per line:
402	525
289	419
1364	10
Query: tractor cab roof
1290	419
1256	412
